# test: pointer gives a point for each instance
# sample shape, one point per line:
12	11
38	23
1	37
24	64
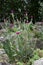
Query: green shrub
20	46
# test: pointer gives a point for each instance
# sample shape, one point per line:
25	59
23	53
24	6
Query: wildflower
12	14
31	16
12	11
18	32
11	25
27	21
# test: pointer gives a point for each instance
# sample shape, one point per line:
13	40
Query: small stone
0	63
38	62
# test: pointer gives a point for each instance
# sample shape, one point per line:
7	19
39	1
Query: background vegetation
20	8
